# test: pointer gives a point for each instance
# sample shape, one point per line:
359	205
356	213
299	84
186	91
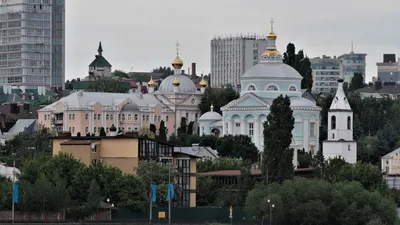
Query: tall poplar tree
162	135
277	160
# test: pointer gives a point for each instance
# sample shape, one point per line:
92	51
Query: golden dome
151	82
271	36
176	81
271	52
177	63
203	83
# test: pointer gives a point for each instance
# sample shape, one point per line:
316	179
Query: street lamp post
112	206
270	211
169	188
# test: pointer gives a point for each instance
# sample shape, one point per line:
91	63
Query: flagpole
170	194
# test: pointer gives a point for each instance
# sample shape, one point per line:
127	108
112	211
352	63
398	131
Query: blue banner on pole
171	192
153	192
15	191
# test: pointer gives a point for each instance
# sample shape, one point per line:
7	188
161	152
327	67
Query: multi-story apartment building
351	63
32	42
232	56
389	69
125	152
326	72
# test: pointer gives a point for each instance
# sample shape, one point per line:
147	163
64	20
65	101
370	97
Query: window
129	116
251	88
111	117
95	117
349	148
73	129
333	136
348	123
45	117
333	122
123	116
94	130
147	118
312	129
119	117
251	129
143	117
70	116
86	116
136	117
107	117
94	149
98	117
237	124
166	118
73	116
86	130
98	129
107	130
272	88
292	88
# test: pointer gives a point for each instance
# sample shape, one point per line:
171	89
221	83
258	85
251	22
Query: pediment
190	100
248	100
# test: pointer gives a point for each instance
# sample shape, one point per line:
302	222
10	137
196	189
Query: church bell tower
340	141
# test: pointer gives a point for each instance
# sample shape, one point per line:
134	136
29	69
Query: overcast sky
142	34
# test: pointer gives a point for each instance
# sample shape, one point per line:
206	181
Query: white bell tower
340	141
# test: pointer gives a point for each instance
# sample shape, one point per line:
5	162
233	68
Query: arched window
251	88
95	117
129	116
348	123
136	117
107	117
147	118
98	117
272	88
45	117
123	116
333	122
111	117
292	88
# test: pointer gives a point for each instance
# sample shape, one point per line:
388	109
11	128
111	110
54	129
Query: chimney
193	69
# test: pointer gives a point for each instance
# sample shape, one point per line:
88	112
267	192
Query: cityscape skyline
131	37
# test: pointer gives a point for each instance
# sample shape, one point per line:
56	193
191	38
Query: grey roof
194	150
81	99
186	85
23	124
130	107
267	69
210	116
386	89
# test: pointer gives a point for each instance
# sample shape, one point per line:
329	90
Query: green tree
370	176
206	191
92	203
120	74
5	193
182	129
277	156
146	133
208	141
238	146
132	192
153	128
102	132
107	84
165	70
300	63
190	128
162	136
218	98
357	81
221	163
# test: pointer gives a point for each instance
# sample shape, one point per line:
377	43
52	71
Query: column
103	119
257	134
230	130
306	134
116	122
243	127
223	127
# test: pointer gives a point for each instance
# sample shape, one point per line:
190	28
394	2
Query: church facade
261	84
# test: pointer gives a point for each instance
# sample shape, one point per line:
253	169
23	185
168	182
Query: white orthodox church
340	141
261	84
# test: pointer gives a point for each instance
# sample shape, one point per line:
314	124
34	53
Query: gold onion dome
271	36
151	82
176	81
203	83
271	52
177	63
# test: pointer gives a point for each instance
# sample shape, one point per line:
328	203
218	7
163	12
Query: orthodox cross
177	48
272	24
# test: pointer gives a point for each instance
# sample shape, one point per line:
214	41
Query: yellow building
125	151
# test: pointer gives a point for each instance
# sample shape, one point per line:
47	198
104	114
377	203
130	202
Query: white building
8	171
210	123
325	72
232	56
340	141
100	67
32	47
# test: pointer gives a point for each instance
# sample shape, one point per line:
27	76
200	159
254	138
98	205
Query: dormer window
272	88
251	88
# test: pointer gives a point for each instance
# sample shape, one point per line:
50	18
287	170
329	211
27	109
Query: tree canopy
300	63
238	146
277	160
218	97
